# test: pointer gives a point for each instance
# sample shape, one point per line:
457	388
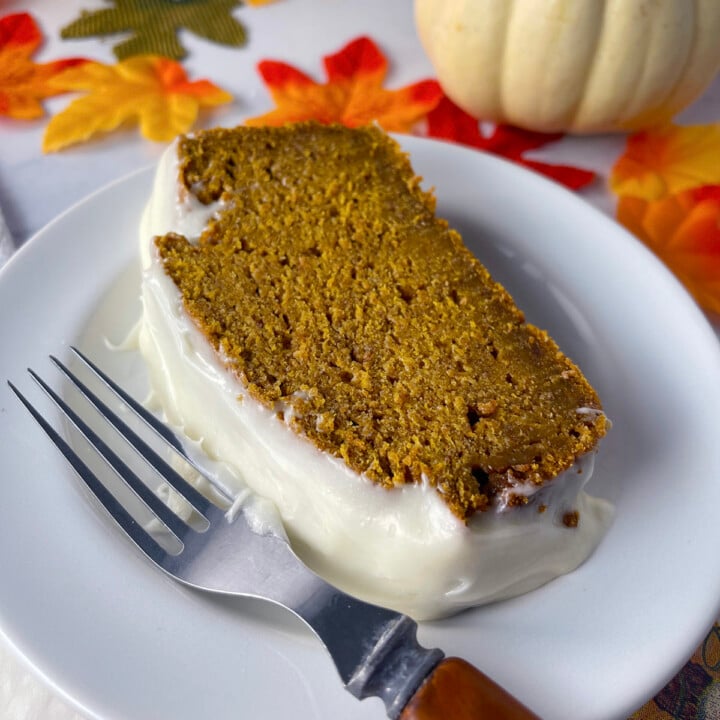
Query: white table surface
34	188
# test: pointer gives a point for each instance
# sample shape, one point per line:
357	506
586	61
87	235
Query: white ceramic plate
123	641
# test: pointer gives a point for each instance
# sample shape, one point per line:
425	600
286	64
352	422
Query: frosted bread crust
406	547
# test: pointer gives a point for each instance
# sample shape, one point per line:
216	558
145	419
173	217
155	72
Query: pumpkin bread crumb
331	290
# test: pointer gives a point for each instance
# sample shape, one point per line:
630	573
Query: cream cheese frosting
401	548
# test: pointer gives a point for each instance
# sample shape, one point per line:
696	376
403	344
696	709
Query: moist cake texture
312	326
337	298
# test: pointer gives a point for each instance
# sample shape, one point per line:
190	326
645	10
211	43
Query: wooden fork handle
457	690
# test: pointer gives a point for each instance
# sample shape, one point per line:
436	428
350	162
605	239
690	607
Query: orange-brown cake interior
334	293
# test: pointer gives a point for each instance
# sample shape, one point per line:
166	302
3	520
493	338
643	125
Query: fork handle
455	689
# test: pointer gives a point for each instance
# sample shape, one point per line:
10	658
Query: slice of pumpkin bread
333	292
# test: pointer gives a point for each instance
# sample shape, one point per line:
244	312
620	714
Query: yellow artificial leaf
150	90
668	160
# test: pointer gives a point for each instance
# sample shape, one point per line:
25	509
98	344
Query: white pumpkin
573	65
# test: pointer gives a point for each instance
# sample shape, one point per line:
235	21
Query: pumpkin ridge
655	105
668	98
590	68
504	63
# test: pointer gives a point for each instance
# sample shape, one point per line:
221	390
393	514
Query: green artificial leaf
155	23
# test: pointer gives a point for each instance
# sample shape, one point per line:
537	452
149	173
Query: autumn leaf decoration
448	122
354	93
24	83
668	183
151	90
154	25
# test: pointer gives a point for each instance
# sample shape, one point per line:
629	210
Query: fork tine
169	474
121	516
148	418
152	501
159	428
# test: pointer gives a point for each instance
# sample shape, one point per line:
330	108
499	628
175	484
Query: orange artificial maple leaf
23	83
152	90
683	230
353	94
668	160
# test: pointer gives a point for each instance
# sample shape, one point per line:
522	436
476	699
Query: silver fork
374	649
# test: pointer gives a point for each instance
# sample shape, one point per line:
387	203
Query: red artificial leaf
448	122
